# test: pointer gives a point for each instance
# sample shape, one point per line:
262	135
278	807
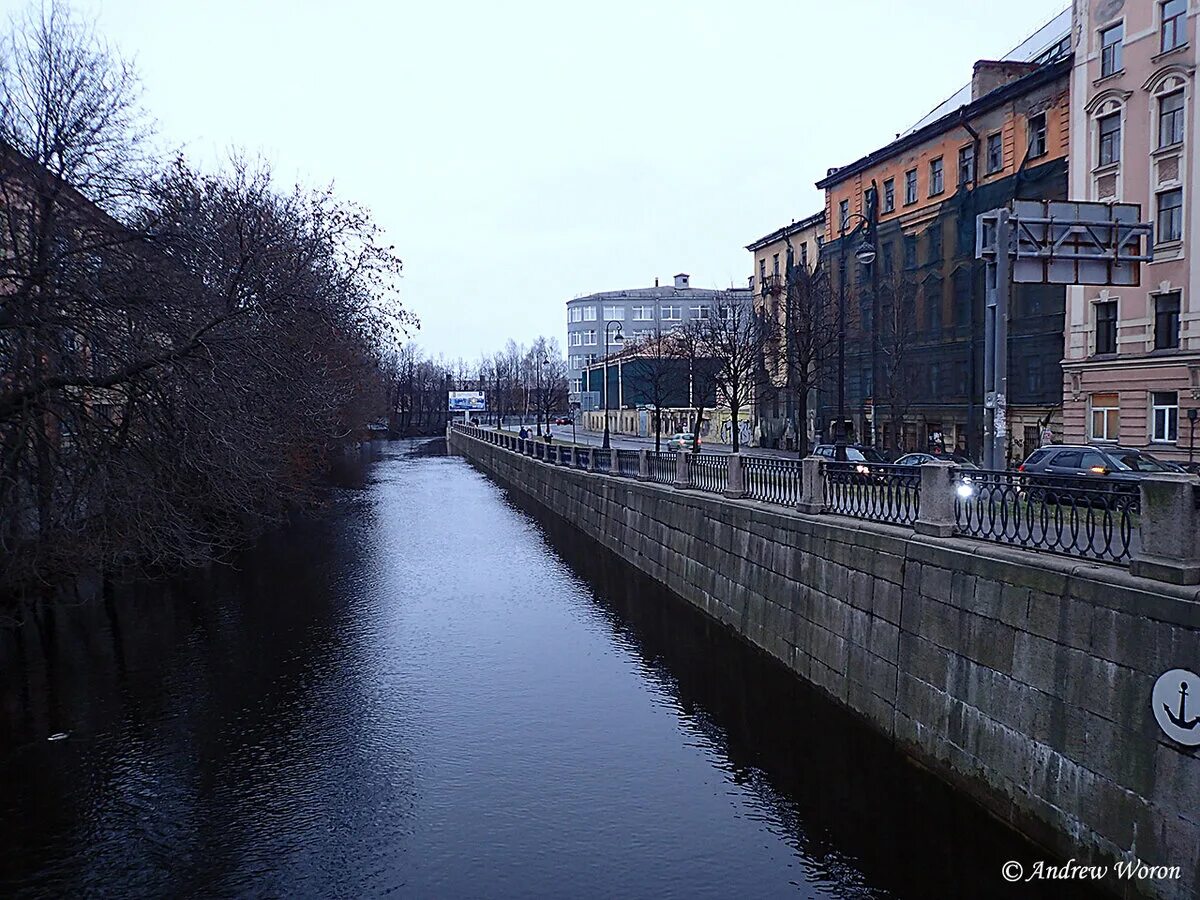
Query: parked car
854	453
563	420
1090	459
682	440
1058	473
919	459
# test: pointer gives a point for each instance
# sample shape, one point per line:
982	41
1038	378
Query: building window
1037	135
995	153
910	251
1174	24
935	243
888	261
576	338
1106	327
1170	120
843	217
698	312
589	314
910	186
1169	227
589	338
775	265
966	164
889	195
1110	49
1166	321
804	254
1110	139
936	177
1106	417
577	314
614	314
643	314
1164	408
725	312
672	313
762	271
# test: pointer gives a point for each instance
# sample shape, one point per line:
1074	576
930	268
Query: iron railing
709	471
583	458
881	493
1080	515
603	460
662	466
771	479
628	463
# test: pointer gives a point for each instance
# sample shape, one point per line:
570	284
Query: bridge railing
1096	518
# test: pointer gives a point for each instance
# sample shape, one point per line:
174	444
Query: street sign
1046	242
1176	704
467	401
1067	242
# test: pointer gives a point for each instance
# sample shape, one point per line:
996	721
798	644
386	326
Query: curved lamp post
865	254
617	339
541	361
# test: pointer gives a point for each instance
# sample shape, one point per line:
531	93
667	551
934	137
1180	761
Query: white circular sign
1176	703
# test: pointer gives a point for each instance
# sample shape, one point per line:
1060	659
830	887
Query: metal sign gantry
1046	242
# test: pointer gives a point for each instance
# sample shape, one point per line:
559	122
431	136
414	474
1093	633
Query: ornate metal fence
627	463
603	460
881	493
1079	515
662	466
709	471
771	479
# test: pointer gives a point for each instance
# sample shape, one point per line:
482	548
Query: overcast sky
520	154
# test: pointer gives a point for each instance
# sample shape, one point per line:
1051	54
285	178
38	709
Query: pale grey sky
523	153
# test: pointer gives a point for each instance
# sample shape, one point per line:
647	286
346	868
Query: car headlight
862	470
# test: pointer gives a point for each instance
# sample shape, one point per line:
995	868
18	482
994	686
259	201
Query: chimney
681	281
990	74
656	281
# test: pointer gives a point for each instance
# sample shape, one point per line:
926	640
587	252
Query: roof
1032	49
787	231
1049	72
657	293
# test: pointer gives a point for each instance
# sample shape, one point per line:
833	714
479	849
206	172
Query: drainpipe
974	401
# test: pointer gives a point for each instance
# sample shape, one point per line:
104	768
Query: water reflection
432	693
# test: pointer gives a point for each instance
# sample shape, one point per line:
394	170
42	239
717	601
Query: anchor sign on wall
1176	702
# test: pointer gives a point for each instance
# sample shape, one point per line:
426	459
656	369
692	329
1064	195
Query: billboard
467	401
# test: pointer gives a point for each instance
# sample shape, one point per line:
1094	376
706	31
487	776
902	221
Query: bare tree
735	337
897	336
656	357
809	334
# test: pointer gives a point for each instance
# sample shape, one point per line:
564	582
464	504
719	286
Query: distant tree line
180	351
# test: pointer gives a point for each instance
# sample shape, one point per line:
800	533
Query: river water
430	693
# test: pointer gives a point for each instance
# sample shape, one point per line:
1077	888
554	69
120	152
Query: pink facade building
1131	370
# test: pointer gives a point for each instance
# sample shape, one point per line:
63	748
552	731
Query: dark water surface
432	694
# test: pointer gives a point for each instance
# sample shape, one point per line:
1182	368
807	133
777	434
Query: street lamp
865	254
617	339
541	361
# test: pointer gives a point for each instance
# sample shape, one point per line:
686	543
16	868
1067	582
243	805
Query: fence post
643	465
937	500
735	485
614	462
566	456
1169	529
812	485
683	470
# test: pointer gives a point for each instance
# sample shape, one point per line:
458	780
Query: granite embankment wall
1022	678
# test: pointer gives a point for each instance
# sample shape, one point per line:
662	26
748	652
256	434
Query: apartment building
776	406
1131	372
915	313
